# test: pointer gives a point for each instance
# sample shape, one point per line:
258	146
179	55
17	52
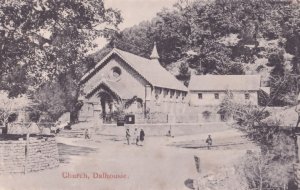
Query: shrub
206	114
12	117
34	116
259	68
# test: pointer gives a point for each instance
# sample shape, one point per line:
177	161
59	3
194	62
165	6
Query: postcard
149	94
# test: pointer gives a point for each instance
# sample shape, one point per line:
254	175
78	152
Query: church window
158	90
247	96
200	96
116	72
139	105
216	95
183	95
172	93
166	92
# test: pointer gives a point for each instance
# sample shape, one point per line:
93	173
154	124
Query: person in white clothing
135	136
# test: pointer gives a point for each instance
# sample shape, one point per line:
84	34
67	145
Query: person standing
209	142
135	136
87	134
142	136
297	109
128	136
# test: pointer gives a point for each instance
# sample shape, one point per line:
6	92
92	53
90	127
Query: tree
276	60
50	39
262	172
283	90
201	27
50	99
184	73
9	106
273	166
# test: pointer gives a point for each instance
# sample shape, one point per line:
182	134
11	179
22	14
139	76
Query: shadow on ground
228	146
65	151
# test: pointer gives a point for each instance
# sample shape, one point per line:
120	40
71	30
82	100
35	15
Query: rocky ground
162	163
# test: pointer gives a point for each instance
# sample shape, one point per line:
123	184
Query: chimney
154	54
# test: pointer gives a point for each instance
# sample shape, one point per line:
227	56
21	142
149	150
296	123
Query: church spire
154	54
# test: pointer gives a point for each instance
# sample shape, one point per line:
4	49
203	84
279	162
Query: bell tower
154	54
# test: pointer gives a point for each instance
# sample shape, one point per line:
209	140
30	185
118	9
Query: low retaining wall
22	156
177	129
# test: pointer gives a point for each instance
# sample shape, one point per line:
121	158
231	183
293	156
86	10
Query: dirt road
106	163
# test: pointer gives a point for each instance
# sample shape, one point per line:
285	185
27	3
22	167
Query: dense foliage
44	46
223	37
272	166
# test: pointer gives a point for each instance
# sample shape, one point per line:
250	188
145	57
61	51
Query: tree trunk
74	116
75	107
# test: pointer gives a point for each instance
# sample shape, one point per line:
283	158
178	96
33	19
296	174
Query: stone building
206	93
210	90
121	76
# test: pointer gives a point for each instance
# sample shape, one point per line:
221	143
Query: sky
135	11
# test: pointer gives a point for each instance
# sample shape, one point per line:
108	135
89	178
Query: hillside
223	37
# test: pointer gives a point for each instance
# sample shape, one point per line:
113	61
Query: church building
122	77
131	84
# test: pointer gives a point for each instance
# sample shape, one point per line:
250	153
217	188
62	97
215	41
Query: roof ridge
122	51
221	82
150	70
227	75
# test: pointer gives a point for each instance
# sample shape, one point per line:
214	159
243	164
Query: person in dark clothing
209	142
127	136
87	134
142	136
297	109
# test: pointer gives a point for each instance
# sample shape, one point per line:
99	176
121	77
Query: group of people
137	137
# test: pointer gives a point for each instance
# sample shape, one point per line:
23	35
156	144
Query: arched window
139	103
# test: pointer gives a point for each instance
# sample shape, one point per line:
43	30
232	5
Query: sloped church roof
149	69
224	82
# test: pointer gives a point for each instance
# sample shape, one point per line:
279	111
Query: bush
12	117
34	116
269	169
206	114
259	68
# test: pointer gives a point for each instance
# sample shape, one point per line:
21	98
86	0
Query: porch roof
118	88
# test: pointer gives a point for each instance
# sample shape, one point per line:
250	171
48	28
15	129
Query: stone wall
20	156
297	175
161	129
197	116
152	118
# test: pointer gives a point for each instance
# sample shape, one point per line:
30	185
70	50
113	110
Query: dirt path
158	165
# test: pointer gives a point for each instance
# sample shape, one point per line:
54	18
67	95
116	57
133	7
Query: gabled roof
150	70
224	82
117	88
